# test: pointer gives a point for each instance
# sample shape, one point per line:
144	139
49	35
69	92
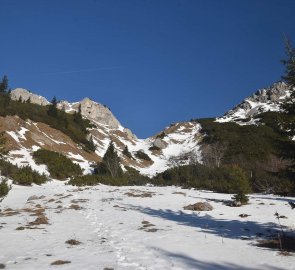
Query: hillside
250	136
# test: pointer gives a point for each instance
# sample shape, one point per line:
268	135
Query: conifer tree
90	145
289	63
52	110
2	144
112	161
4	84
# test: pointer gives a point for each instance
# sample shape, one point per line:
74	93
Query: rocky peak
25	95
266	99
91	110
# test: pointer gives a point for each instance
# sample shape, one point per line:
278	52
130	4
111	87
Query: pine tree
90	145
52	110
289	63
2	144
4	84
112	161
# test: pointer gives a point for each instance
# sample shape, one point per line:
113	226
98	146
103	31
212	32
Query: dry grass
179	192
146	226
67	196
79	200
9	213
140	194
75	207
284	243
41	219
120	207
73	242
60	262
244	215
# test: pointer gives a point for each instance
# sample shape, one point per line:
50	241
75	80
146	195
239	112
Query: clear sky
153	62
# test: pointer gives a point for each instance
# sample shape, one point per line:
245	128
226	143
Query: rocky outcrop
266	99
25	95
92	111
159	143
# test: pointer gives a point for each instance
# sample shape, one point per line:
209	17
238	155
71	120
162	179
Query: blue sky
153	62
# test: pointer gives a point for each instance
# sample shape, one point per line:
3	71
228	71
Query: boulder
199	206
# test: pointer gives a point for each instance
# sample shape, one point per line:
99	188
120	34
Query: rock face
92	111
199	206
159	143
267	99
24	94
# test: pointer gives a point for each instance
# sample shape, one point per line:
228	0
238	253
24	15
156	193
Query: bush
141	155
241	198
4	188
91	180
226	179
59	166
134	178
23	175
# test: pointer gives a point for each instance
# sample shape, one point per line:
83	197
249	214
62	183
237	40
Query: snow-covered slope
152	232
267	99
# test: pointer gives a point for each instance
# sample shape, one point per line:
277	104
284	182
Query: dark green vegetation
264	152
109	172
4	189
59	166
141	155
227	179
72	125
126	152
21	176
130	178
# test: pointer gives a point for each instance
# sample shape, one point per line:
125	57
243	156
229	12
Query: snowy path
136	228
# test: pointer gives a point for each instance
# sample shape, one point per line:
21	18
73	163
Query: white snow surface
23	157
110	228
19	135
178	143
82	162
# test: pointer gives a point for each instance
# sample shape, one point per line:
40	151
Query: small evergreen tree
90	146
4	189
52	110
112	161
4	84
239	184
289	63
2	144
289	77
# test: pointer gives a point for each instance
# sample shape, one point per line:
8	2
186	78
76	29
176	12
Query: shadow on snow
234	229
192	263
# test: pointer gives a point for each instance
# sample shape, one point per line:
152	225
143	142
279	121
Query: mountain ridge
182	140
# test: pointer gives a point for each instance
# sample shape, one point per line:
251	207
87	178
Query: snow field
138	228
